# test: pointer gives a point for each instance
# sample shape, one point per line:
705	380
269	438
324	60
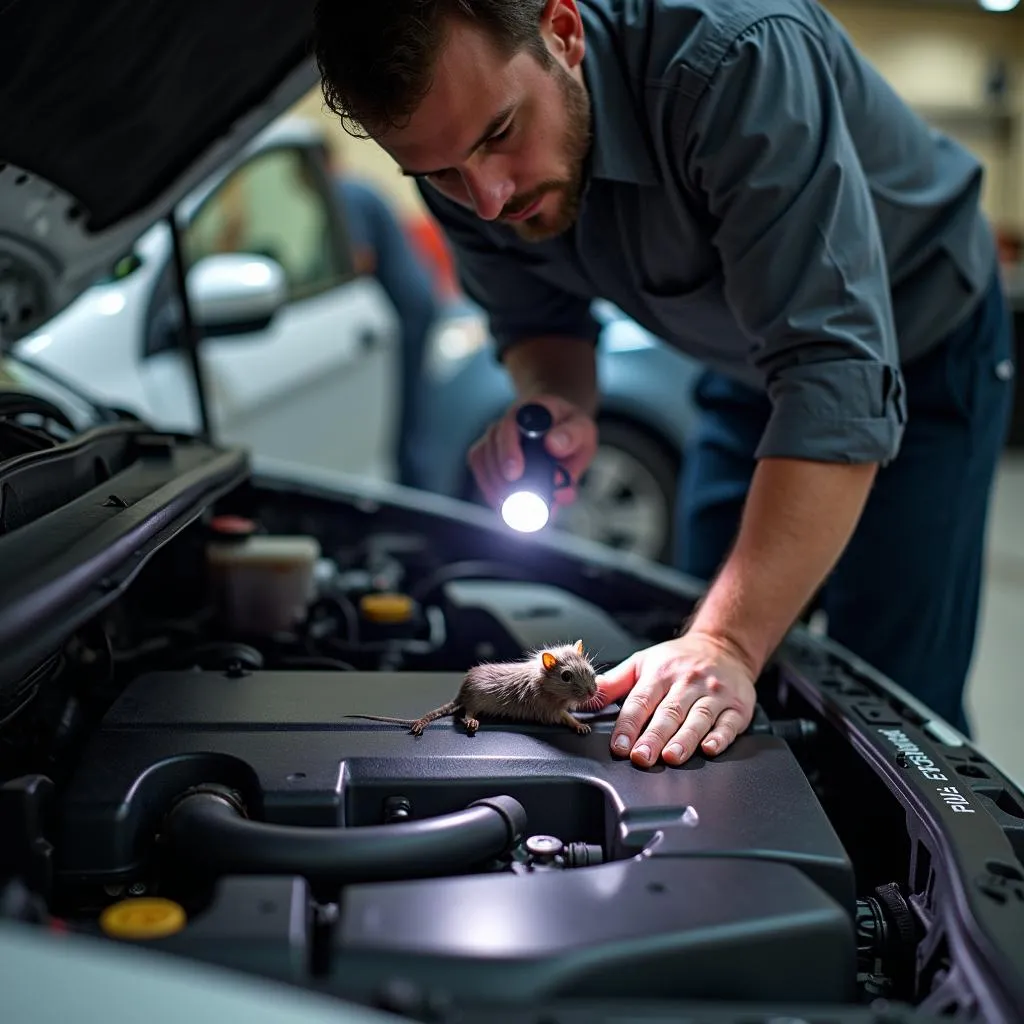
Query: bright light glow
525	511
454	342
998	6
254	274
110	303
461	339
36	344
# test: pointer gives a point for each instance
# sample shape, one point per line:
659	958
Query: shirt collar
620	151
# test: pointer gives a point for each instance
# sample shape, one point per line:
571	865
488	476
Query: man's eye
503	134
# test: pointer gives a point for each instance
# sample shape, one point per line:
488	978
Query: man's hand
683	693
699	688
497	458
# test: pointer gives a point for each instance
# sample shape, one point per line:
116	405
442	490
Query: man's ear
561	27
548	660
579	646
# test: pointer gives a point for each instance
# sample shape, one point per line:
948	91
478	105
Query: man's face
506	138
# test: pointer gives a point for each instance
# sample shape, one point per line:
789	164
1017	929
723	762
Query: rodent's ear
579	646
548	660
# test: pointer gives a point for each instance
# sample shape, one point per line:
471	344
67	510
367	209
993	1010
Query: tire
626	499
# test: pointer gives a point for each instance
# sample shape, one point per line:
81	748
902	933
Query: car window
274	205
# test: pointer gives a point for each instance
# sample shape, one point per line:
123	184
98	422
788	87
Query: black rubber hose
208	828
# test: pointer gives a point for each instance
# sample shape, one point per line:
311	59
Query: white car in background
301	356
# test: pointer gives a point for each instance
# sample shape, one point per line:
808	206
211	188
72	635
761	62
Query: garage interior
223	791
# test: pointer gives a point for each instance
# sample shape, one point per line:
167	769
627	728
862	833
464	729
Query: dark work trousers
905	594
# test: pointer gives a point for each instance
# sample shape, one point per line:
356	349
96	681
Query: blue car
627	498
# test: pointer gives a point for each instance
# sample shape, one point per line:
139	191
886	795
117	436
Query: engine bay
758	901
181	772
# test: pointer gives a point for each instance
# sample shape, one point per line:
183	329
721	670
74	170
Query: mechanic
738	179
384	251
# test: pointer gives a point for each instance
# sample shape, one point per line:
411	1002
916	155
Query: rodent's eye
566	675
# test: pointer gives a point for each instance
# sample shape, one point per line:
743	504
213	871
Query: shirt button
1004	369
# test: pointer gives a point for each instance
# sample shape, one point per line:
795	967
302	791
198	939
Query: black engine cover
723	878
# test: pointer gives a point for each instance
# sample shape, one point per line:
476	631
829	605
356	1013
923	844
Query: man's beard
568	191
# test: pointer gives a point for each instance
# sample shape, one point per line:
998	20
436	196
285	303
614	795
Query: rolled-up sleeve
769	150
518	302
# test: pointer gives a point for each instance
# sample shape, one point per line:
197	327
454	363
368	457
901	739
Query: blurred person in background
384	249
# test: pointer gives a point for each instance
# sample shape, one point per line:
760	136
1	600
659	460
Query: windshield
20	378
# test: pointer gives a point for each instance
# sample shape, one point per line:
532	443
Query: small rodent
543	687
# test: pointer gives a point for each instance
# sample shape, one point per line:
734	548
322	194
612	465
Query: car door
316	386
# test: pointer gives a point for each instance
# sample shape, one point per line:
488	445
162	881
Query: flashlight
527	508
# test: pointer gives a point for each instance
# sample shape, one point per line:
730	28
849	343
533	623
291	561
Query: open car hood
110	113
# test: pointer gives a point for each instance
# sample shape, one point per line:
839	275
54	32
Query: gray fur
524	690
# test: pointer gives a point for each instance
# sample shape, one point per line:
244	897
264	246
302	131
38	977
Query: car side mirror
235	293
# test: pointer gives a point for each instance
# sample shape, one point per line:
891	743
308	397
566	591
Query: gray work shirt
759	197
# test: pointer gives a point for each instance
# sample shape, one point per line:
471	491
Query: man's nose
488	192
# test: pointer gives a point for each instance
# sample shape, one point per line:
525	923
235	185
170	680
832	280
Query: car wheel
626	499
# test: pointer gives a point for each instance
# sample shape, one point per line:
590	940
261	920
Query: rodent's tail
445	709
384	718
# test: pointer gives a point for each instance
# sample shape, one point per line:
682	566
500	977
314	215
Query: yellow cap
386	608
147	917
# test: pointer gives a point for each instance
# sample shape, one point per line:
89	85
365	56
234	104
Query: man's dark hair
377	57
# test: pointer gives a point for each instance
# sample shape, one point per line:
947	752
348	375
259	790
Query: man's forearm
566	367
799	517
